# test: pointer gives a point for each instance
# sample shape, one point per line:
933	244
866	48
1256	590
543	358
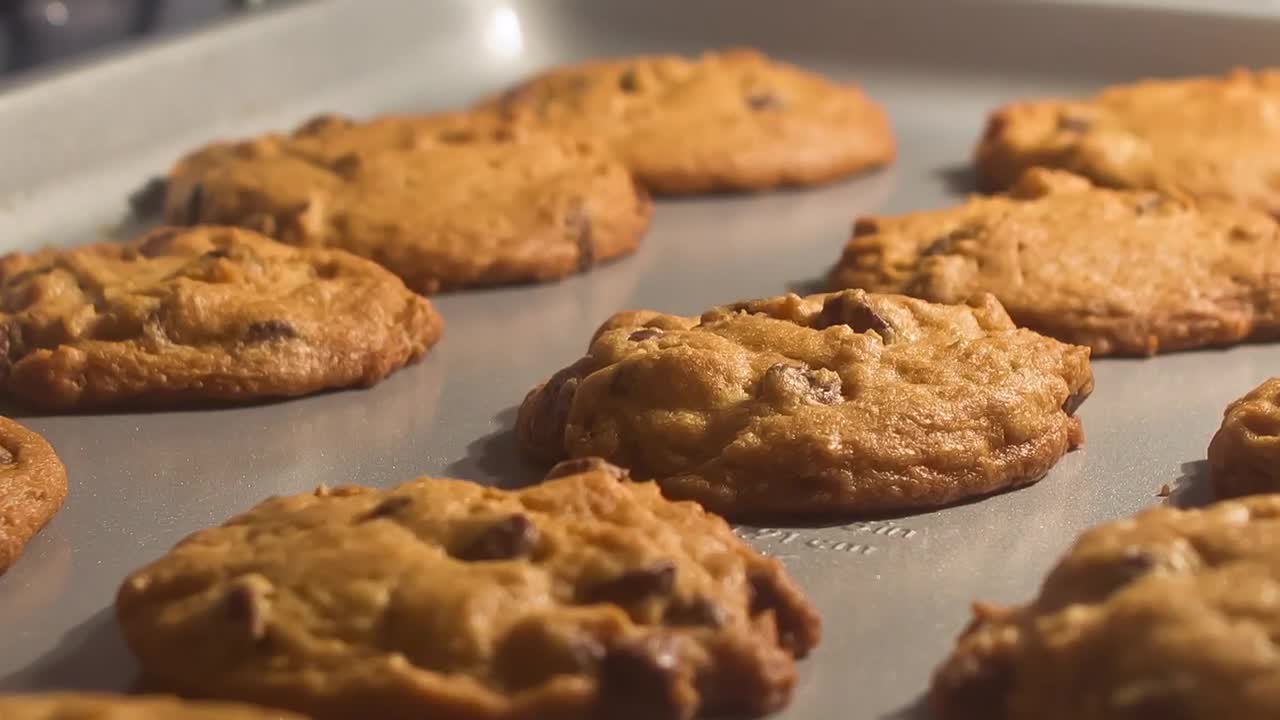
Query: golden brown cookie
1124	272
1214	138
1244	455
443	201
838	404
731	120
76	706
33	484
582	597
1170	615
185	316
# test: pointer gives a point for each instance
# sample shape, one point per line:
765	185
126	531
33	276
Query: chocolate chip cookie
33	484
185	316
582	597
841	404
1202	138
1244	455
444	201
1170	615
1124	272
70	706
731	120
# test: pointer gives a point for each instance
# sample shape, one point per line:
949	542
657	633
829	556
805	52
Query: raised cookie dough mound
444	201
1124	272
1244	456
188	316
1201	138
582	597
838	404
731	120
1172	614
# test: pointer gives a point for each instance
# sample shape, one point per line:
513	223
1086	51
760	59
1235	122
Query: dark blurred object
36	32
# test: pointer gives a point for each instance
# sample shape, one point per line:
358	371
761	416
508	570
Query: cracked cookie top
1171	614
731	120
1125	272
444	201
580	597
1202	138
837	404
195	315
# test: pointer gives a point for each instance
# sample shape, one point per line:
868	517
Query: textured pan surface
894	593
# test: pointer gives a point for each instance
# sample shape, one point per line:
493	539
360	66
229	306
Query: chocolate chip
512	537
849	308
865	226
245	606
321	123
148	200
1074	123
386	508
268	330
456	136
937	247
6	457
578	466
640	678
1241	234
1074	401
195	202
761	101
943	244
550	411
578	222
1138	561
644	334
157	242
1148	203
10	342
628	82
694	611
784	383
586	651
655	580
346	166
763	595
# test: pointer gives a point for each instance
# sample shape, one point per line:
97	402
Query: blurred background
38	32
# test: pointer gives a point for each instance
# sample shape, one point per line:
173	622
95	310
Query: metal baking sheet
893	592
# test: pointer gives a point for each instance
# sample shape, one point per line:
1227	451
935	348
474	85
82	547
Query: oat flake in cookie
1169	616
77	706
828	405
189	316
732	120
1206	138
1125	272
1244	455
582	597
444	201
33	484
